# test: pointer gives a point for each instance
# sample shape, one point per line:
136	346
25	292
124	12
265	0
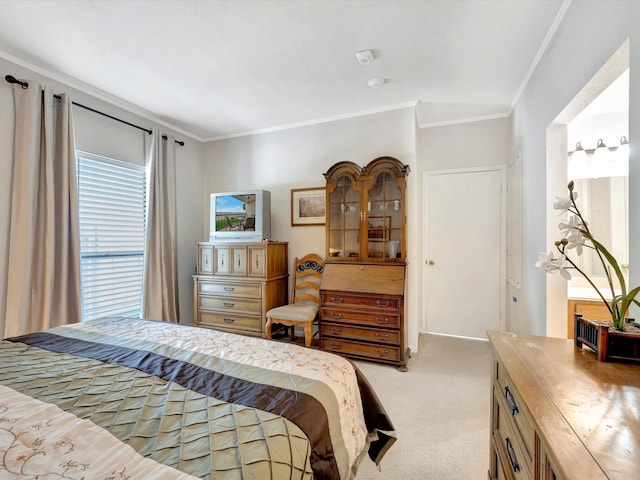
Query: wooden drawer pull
336	345
229	289
336	315
512	455
382	322
339	300
228	304
228	320
383	337
382	354
511	401
380	304
336	331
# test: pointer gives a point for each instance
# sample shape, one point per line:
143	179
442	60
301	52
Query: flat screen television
240	216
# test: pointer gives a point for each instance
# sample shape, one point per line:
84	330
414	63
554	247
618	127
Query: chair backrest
250	223
307	274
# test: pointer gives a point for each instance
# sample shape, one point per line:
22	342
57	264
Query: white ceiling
215	69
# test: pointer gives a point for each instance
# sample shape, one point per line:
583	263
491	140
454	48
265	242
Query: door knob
430	262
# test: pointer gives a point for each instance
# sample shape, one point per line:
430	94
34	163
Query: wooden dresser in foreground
237	283
362	311
558	413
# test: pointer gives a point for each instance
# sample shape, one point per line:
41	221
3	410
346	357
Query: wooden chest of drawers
237	283
559	414
362	312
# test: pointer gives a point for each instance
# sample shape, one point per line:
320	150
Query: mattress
127	398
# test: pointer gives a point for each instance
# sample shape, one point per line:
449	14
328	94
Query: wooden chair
303	310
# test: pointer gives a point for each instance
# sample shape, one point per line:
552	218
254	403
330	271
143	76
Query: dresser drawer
520	416
230	320
335	299
230	304
509	441
229	288
372	319
374	352
391	337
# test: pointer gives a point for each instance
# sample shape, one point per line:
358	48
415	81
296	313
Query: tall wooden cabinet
237	283
362	290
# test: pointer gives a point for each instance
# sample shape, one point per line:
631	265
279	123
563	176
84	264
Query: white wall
587	37
465	145
297	158
102	136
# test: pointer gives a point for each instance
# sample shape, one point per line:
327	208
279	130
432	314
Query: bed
122	398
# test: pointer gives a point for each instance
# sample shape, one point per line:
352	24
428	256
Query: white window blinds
112	202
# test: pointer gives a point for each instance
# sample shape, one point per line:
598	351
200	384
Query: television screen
235	213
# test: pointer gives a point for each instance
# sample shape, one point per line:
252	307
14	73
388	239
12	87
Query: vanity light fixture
599	145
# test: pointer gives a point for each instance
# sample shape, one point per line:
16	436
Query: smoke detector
365	57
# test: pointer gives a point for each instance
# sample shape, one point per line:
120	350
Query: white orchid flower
553	265
544	259
562	204
576	240
574	225
565	203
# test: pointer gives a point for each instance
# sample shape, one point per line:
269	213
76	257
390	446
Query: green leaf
612	261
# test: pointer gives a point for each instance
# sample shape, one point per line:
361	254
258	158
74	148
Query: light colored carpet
440	410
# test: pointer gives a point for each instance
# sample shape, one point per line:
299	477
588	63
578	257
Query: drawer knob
229	289
383	353
228	304
336	345
384	337
228	320
511	401
380	304
339	300
336	330
382	322
512	456
336	315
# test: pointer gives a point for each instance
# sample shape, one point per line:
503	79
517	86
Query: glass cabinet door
385	220
344	220
366	211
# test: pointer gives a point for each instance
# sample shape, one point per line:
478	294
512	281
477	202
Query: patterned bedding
122	398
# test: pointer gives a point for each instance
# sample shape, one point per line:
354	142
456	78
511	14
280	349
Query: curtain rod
25	85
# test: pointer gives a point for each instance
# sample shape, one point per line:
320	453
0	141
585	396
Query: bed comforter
121	398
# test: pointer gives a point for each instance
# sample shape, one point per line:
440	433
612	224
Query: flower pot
608	344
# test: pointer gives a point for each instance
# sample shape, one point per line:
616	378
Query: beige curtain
160	284
43	284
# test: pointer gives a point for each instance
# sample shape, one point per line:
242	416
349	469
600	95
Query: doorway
463	270
596	113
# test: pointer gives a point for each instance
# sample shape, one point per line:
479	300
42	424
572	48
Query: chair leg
267	327
308	334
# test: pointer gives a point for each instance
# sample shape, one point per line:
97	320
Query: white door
463	271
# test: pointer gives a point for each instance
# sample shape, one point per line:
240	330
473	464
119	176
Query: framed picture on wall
308	206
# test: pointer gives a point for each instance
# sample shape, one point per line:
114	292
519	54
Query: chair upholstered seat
301	312
307	274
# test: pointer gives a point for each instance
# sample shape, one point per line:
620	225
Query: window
112	204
